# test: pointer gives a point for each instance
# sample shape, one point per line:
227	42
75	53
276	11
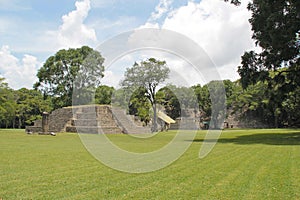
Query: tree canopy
147	74
276	29
19	108
60	72
7	104
103	94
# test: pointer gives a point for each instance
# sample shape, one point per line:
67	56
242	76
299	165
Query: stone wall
235	120
36	128
59	118
33	129
85	119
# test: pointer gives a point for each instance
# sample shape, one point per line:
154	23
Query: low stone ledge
33	129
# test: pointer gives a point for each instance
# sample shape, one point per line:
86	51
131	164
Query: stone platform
91	119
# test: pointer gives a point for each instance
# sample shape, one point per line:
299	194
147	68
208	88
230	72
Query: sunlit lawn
245	164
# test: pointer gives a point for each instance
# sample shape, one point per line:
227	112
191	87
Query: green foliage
235	2
103	94
252	102
186	97
291	107
147	74
268	101
80	68
204	101
121	98
275	28
21	107
212	101
139	105
7	105
217	95
30	106
166	96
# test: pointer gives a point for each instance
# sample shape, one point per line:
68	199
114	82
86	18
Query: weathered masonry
89	119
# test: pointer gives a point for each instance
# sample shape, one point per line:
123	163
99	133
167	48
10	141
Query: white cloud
106	28
220	28
18	73
149	25
162	8
111	78
114	72
182	73
73	32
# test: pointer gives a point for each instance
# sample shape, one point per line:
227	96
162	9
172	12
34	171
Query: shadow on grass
292	138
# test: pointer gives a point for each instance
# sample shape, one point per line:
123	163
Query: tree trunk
20	122
276	121
154	118
14	123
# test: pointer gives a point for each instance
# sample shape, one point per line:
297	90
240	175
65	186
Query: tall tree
140	106
58	75
204	101
276	29
212	102
217	95
7	105
147	74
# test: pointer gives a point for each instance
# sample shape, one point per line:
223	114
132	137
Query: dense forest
21	107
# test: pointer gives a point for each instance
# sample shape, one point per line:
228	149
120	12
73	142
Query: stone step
86	116
93	122
99	110
94	109
93	116
93	129
127	122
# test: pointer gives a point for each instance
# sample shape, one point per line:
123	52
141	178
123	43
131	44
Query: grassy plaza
244	164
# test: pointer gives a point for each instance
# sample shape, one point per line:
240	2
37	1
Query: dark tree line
19	108
276	69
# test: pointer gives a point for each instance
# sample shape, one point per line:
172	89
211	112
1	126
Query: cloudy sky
33	30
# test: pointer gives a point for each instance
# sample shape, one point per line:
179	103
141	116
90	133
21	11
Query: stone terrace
91	119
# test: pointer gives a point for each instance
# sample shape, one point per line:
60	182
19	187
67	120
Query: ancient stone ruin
89	119
108	119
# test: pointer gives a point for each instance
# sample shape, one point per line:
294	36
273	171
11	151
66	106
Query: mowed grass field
245	164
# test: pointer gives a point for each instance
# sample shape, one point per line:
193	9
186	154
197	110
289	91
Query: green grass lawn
245	164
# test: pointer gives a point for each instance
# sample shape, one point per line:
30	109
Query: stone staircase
103	119
127	123
93	119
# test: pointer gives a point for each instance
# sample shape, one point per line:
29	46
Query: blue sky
33	30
